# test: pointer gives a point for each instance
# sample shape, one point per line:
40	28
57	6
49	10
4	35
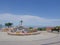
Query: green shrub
41	29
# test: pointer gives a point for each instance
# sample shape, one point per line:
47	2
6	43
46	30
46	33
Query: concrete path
46	39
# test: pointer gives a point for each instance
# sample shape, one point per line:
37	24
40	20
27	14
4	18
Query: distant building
49	28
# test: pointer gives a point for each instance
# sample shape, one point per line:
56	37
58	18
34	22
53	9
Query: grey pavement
51	41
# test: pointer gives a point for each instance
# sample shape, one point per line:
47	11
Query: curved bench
14	33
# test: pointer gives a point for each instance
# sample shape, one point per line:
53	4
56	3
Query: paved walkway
46	39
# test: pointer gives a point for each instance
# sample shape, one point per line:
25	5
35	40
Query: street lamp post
21	22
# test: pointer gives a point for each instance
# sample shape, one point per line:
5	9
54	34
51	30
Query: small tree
57	27
30	27
40	29
8	24
43	29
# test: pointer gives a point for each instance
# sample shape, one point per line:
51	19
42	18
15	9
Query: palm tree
8	24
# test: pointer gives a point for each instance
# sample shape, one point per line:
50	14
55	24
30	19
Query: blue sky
45	9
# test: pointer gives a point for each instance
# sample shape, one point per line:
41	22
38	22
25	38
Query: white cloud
28	20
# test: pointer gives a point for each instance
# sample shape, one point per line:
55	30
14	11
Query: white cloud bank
28	20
